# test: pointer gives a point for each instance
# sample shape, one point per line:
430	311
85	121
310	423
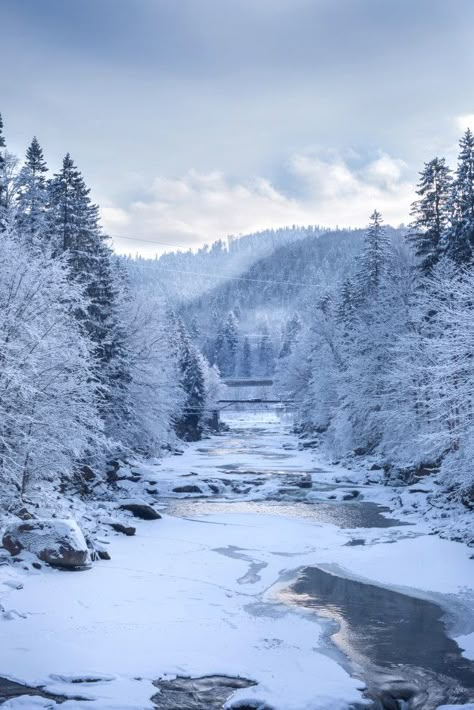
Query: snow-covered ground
200	594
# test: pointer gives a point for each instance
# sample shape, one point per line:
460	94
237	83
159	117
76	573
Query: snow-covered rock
59	543
141	510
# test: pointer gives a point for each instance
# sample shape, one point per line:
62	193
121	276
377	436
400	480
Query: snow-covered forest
114	370
236	355
383	365
369	332
95	367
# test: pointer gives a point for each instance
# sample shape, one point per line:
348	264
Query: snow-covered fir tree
459	238
190	424
246	359
374	258
266	353
32	195
289	335
431	213
74	231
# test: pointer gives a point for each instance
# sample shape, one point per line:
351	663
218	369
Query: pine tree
32	194
219	355
192	379
347	303
74	231
231	335
246	364
290	333
194	329
373	261
266	356
431	213
459	240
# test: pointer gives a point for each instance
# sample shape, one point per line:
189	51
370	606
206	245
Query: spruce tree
231	335
246	364
32	195
431	213
347	303
290	333
74	231
459	240
373	261
266	355
219	355
191	376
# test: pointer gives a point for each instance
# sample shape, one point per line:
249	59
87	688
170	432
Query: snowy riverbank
201	593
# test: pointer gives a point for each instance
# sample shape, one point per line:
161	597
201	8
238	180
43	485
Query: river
275	570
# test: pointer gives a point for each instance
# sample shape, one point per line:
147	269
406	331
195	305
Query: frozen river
271	566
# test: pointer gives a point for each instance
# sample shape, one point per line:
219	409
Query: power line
197	273
162	244
223	277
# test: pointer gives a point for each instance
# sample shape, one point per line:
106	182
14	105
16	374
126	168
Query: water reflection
383	627
345	515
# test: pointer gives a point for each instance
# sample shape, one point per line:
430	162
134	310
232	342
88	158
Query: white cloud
198	208
464	122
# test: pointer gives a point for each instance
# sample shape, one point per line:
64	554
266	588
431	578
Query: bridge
247	382
258	397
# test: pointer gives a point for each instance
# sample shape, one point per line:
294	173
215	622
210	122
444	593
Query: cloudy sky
193	119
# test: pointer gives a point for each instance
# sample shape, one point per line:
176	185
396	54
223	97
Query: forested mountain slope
260	305
184	275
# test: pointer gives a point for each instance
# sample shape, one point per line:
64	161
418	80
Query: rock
187	489
59	543
303	482
24	514
97	550
355	542
87	473
376	467
351	495
210	692
124	529
141	510
9	690
36	565
113	467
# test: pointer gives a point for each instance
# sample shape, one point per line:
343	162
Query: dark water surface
396	643
388	630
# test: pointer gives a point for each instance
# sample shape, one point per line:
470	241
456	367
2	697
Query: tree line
94	367
385	365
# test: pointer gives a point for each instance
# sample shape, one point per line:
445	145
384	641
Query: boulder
128	530
97	549
351	495
59	543
187	489
141	510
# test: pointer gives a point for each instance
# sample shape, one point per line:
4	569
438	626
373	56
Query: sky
195	119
